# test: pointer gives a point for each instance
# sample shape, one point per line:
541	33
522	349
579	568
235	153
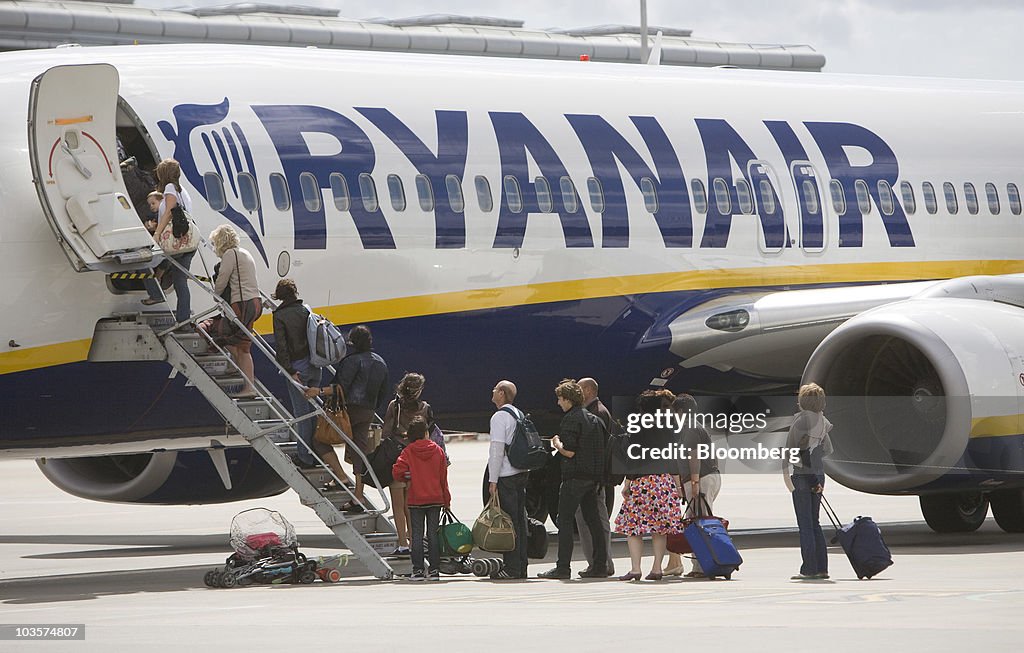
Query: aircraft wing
773	334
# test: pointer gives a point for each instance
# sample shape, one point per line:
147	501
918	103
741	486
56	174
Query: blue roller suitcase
712	545
862	542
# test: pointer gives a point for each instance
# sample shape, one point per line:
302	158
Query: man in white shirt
507	481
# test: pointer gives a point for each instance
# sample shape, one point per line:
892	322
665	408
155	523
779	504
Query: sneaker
416	576
556	573
505	575
804	577
433	574
401	552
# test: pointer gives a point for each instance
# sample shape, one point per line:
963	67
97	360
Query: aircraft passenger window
930	203
425	192
596	195
512	196
397	192
310	191
835	188
1013	197
810	194
863	196
215	191
543	189
722	200
950	192
339	189
247	190
700	198
992	193
455	199
746	202
483	194
909	203
279	189
971	197
568	194
650	194
368	190
885	199
767	196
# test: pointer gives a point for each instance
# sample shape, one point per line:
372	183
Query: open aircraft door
73	149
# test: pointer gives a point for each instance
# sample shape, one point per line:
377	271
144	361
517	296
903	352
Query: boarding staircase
263	421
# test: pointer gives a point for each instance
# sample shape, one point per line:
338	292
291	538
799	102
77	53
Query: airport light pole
643	31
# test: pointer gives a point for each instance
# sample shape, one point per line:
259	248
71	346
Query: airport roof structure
26	24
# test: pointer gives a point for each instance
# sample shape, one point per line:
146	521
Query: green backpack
455	537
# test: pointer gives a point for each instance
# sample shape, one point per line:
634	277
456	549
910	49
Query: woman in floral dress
650	499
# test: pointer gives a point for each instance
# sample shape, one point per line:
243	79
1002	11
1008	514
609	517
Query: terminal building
31	24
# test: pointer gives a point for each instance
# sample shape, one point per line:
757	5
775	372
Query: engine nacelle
925	395
167	477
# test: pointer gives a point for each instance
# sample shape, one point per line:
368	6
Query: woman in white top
168	175
237	275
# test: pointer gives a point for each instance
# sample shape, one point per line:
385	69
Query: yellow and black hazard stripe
135	276
131	276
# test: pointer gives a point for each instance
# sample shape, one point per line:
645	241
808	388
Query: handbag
493	530
382	460
455	537
174	245
336	412
677	542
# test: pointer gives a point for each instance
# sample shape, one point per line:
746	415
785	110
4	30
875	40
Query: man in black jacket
582	444
292	349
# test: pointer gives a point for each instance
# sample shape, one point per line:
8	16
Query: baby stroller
266	551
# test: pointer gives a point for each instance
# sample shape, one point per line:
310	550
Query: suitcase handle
832	516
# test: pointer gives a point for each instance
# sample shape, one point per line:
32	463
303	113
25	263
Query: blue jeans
807	505
432	517
301	406
184	308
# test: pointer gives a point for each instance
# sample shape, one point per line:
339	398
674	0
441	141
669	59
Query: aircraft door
813	226
773	232
73	151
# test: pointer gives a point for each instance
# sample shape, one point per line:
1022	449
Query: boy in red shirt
423	465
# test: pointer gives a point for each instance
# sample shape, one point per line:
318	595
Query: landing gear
1008	509
954	513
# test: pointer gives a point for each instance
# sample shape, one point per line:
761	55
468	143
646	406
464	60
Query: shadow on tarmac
909	538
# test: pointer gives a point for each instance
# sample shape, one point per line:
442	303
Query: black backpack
616	459
527	450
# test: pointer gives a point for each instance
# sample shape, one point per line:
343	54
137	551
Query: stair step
214	364
280	436
193	343
254	409
231	383
156	319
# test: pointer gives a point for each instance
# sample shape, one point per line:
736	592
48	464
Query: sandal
149	301
695	574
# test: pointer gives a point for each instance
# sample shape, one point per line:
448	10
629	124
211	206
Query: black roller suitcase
862	542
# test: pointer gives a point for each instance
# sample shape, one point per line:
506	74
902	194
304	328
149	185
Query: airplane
721	231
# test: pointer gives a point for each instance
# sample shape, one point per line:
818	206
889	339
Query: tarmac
133	576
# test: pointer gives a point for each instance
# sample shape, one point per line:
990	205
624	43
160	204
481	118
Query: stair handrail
228	313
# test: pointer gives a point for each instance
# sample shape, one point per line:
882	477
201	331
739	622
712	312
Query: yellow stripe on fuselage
997	426
578	289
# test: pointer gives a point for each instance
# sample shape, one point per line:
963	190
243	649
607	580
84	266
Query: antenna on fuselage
655	58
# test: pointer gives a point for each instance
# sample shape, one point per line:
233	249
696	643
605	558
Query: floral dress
652	507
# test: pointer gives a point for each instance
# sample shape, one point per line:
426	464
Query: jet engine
925	398
166	477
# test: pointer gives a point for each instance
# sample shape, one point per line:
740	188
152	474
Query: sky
936	38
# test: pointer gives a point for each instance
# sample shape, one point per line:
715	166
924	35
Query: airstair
263	421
